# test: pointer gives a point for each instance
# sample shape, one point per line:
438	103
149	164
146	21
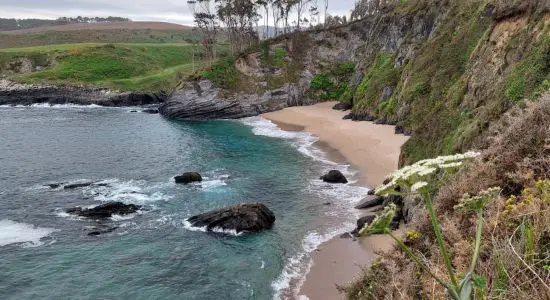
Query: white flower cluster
475	203
422	170
417	186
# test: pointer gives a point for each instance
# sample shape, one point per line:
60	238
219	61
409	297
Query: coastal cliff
12	93
455	75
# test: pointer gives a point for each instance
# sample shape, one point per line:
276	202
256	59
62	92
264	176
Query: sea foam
21	233
288	283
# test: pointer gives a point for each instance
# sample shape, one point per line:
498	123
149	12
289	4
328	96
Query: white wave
124	218
303	141
129	192
21	233
187	225
288	283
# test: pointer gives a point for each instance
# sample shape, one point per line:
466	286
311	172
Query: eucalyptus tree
239	17
207	22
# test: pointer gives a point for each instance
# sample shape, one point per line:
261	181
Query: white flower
415	187
426	171
451	165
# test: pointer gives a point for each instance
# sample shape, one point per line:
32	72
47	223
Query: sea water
46	253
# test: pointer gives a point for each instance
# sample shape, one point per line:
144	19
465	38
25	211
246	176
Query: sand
371	149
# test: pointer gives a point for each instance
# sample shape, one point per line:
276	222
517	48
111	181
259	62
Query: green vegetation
380	74
128	67
423	179
122	35
530	72
333	83
223	74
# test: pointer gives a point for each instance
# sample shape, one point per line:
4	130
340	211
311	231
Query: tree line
240	20
16	24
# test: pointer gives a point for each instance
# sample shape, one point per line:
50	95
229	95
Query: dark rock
78	185
243	217
327	203
394	225
511	188
346	235
399	129
334	176
362	222
104	211
133	111
348	116
371	192
54	185
211	103
151	111
386	94
395	199
188	177
342	106
102	231
386	181
369	201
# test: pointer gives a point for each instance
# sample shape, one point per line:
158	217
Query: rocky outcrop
369	201
188	177
12	93
238	218
205	102
104	211
334	176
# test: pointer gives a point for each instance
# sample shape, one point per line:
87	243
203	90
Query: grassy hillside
122	32
128	67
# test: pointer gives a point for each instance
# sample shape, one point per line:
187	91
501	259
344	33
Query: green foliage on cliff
223	73
333	83
379	75
530	72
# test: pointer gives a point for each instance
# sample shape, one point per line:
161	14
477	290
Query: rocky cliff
22	94
440	70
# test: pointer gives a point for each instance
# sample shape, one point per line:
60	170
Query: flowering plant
422	178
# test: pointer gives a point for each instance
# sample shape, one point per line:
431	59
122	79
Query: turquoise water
46	254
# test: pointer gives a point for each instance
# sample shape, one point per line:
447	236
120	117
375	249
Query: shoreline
373	150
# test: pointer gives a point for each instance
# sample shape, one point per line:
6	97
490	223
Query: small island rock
334	176
188	177
241	218
104	211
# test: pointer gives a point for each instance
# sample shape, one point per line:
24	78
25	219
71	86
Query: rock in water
334	176
188	177
78	185
369	201
151	111
104	211
243	217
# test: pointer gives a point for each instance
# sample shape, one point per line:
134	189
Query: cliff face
25	94
440	70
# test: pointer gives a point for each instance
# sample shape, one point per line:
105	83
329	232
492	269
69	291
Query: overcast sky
139	10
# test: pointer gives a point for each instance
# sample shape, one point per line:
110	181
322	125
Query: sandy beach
371	149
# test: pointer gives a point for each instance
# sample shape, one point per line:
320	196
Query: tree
301	6
207	22
239	16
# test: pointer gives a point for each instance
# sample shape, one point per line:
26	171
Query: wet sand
371	149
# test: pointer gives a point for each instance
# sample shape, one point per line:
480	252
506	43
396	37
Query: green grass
127	67
150	36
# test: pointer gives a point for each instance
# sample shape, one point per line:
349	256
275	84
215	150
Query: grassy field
124	66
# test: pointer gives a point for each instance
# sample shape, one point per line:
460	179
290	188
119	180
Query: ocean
46	253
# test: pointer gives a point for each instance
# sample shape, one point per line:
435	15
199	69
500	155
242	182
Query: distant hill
102	26
17	24
111	32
